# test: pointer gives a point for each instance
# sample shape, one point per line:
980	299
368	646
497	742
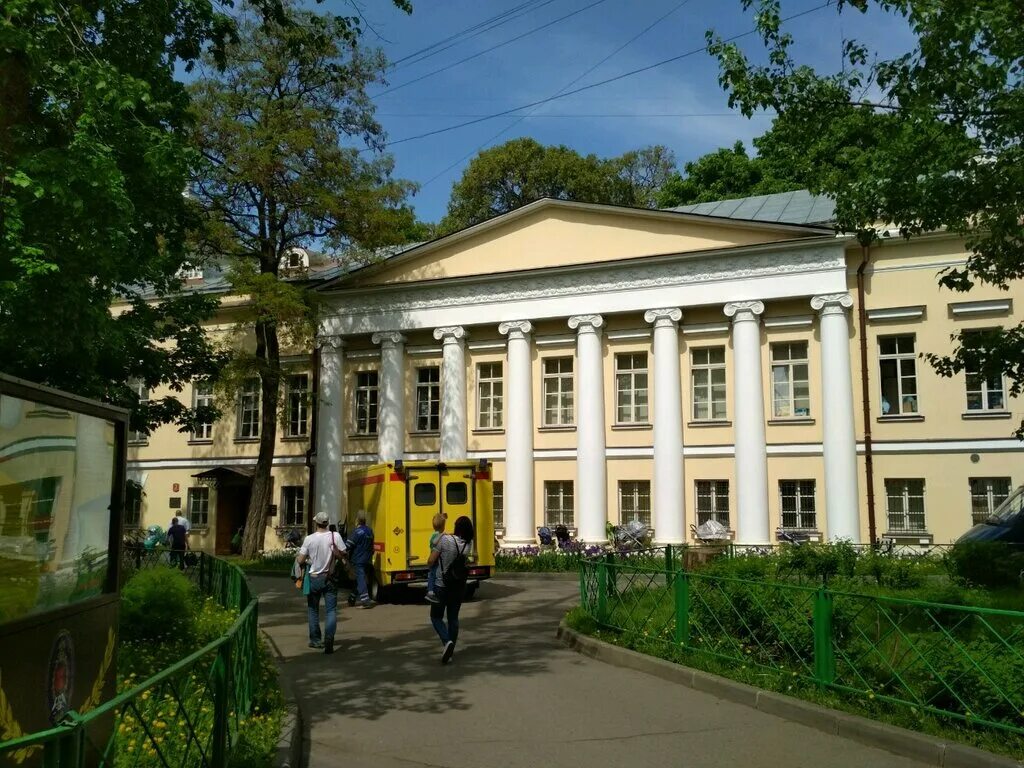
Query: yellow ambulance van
400	500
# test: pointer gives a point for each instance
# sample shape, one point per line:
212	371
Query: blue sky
680	104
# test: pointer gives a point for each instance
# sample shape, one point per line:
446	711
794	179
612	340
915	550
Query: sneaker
328	646
449	651
432	598
315	644
367	603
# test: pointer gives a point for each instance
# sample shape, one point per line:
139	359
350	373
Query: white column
667	500
453	391
839	442
519	492
751	450
329	429
391	418
591	473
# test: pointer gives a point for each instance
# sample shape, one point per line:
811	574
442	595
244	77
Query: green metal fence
954	661
187	715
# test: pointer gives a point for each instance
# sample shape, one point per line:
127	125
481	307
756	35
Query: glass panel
424	494
716	355
456	493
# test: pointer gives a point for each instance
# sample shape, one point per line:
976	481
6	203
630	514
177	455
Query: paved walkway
514	697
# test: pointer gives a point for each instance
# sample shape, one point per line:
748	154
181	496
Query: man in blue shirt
360	547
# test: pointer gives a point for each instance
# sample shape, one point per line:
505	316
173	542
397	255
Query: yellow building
710	362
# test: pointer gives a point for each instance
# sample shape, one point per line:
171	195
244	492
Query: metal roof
799	207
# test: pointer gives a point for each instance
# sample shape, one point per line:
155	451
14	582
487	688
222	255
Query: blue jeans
450	602
432	576
362	571
319	585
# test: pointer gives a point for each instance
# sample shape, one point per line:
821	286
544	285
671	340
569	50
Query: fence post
669	565
602	592
219	737
824	654
682	609
610	574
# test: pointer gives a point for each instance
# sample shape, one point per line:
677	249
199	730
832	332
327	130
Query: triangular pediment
556	233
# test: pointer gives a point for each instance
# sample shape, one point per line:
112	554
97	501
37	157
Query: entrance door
457	494
232	505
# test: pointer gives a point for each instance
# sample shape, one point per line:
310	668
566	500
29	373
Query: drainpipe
311	451
862	322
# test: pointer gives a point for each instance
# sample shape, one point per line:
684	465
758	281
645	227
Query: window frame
640	491
562	385
498	503
428	393
709	369
716	493
899	359
252	388
366	396
633	407
293	403
992	498
202	396
561	511
139	387
133	494
984	391
789	365
495	395
190	496
905	513
800	512
293	493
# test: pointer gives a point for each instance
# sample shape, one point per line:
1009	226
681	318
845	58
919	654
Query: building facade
669	366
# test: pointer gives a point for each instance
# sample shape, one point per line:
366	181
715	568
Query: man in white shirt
320	552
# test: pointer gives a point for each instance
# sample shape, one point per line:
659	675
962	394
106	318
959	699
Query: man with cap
322	550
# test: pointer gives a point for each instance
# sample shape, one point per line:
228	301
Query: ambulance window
424	494
456	493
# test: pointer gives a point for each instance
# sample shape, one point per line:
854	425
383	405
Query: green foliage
930	139
92	165
513	174
158	603
994	565
278	561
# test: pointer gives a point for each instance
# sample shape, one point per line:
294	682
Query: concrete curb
929	750
289	744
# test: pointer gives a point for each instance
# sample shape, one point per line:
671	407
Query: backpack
457	571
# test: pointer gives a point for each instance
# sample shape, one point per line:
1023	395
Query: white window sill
424	433
985	415
901	417
910	537
707	423
201	441
295	439
247	439
362	436
791	421
631	427
489	431
558	428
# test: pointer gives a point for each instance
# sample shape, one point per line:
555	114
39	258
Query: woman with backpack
452	551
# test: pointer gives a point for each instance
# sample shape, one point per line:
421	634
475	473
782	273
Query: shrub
158	603
994	565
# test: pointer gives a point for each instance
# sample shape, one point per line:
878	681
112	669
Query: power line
489	50
487	25
597	84
568	114
565	87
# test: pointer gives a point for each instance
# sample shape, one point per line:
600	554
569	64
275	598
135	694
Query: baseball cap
320	518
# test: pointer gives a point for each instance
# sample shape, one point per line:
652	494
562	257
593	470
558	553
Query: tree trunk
269	357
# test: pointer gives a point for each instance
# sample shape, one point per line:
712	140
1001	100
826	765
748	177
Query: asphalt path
513	697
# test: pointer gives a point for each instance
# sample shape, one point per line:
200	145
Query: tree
92	166
277	128
929	139
513	174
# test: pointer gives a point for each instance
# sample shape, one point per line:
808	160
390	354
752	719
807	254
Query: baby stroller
709	532
545	535
631	536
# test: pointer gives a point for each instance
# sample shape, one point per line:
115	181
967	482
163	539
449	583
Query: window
558	503
635	501
132	504
987	493
424	495
708	371
797	503
139	388
985	391
293	503
296	405
790	391
366	403
428	399
249	409
713	501
456	494
905	504
489	396
499	504
558	392
898	373
202	397
631	388
199	505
